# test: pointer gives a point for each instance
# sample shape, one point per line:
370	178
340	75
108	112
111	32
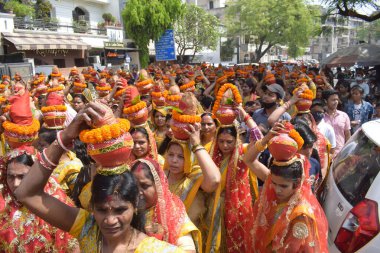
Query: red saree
299	225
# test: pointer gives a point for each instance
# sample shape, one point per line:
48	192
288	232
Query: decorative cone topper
103	88
158	97
223	106
109	142
145	83
54	113
55	72
79	85
184	115
134	110
173	96
306	96
22	128
286	144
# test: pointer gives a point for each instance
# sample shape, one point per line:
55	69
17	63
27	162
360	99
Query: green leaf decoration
229	101
176	109
136	100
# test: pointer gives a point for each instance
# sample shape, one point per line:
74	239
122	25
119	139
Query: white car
352	193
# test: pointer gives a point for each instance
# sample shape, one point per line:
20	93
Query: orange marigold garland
156	94
119	93
22	129
2	86
186	118
80	85
143	83
58	88
2	100
54	108
134	108
105	133
297	137
221	92
187	86
105	88
172	98
306	94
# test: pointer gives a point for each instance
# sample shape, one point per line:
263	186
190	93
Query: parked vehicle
352	194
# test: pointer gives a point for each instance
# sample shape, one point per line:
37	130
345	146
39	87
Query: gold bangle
194	147
259	146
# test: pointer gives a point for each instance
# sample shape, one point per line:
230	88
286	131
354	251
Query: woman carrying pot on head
287	216
208	130
114	225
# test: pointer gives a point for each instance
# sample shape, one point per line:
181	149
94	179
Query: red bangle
44	156
59	139
247	117
43	162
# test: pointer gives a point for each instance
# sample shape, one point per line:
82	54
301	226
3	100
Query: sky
365	10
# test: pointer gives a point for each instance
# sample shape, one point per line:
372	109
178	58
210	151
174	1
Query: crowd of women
175	159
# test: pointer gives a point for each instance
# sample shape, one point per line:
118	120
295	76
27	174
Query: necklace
101	241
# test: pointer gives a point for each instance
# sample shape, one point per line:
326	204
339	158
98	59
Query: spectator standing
339	120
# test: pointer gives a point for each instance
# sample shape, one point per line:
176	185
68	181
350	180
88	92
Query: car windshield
356	167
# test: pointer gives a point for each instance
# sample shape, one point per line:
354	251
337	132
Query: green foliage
273	22
227	49
147	20
20	9
354	8
43	9
196	30
108	17
369	32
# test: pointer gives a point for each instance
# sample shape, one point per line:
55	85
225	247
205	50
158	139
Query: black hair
23	159
124	185
81	96
317	102
140	130
145	168
48	135
304	130
164	145
206	102
328	93
84	175
209	114
293	172
358	88
228	130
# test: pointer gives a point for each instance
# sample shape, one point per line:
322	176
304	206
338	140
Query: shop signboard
165	47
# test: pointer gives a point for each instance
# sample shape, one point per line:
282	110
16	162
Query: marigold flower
105	133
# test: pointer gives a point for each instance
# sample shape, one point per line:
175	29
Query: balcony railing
41	25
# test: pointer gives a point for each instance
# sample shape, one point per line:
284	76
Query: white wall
6	22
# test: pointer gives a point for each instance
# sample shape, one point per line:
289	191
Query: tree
273	22
369	32
20	8
43	9
147	20
196	30
353	8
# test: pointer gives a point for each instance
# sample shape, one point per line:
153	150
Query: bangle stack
196	147
247	117
255	134
259	146
44	161
59	139
286	105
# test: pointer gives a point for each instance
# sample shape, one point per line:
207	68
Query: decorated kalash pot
54	113
173	96
184	115
134	110
121	85
157	95
223	108
109	142
79	85
188	86
286	144
103	88
145	83
20	128
306	96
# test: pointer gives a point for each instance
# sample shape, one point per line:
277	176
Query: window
211	5
79	62
60	63
356	167
5	25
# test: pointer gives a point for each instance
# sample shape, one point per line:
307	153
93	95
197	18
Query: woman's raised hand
194	134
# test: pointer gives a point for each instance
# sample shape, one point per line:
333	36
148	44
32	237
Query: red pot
15	140
54	120
226	114
282	147
178	129
78	89
159	101
172	103
145	89
103	93
139	117
303	105
112	153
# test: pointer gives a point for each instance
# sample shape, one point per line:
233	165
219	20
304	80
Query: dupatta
230	223
169	211
279	229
